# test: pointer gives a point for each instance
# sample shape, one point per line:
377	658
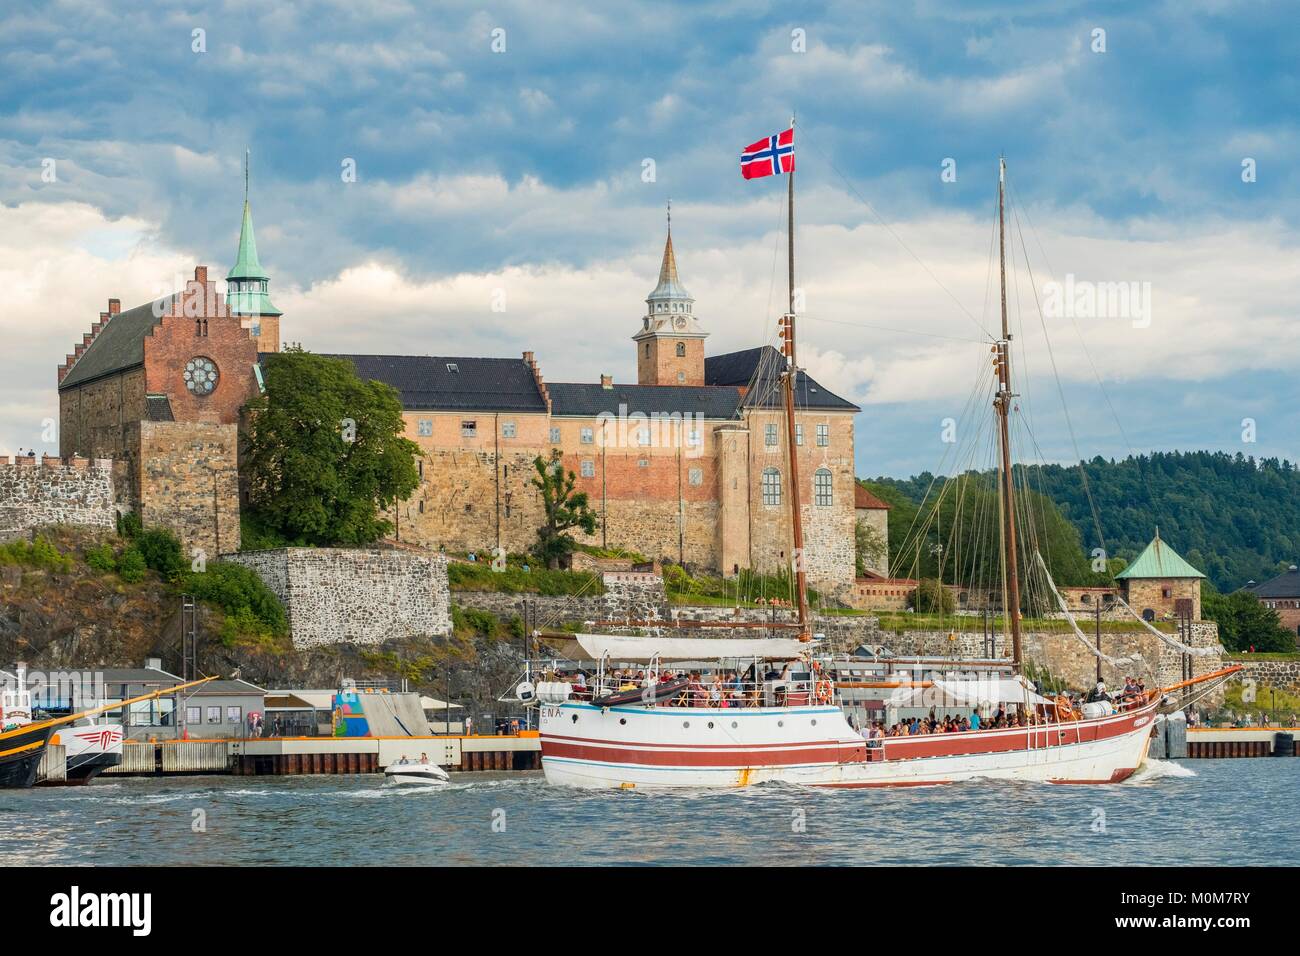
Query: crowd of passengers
734	689
725	688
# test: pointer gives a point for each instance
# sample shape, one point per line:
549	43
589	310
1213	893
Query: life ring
825	692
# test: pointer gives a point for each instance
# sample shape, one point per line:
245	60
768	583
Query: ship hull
656	747
21	751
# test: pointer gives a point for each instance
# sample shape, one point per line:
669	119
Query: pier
294	756
1210	742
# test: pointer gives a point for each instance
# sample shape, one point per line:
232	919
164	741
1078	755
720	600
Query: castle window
468	429
425	427
588	468
587	436
681	378
643	436
555	435
1085	599
647	350
696	476
507	429
421	503
693	438
420	465
823	435
798	434
681	350
823	494
771	486
1166	592
643	462
769	436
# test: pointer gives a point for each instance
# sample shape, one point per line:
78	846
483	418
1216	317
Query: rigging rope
1074	627
1212	650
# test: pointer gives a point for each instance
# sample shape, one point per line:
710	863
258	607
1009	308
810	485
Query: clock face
680	322
200	375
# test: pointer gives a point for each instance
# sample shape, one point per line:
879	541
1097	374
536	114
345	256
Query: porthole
814	722
622	720
710	725
575	718
686	723
780	723
734	725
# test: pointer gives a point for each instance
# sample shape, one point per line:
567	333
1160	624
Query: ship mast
788	382
1002	405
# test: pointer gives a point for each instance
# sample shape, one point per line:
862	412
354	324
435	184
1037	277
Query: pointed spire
247	281
670	286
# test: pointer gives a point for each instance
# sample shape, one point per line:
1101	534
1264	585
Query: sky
513	162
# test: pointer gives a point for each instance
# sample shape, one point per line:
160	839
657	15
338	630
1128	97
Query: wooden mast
788	380
1002	404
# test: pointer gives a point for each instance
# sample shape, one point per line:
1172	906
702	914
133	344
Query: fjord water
1202	812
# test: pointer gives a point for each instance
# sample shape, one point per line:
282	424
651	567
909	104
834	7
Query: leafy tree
161	551
564	508
870	550
326	453
931	597
1244	622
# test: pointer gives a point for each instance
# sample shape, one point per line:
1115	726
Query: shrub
101	558
161	552
40	554
931	597
128	525
130	566
241	595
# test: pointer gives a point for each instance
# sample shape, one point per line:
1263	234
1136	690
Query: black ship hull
21	751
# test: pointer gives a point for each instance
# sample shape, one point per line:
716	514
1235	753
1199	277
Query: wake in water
1153	771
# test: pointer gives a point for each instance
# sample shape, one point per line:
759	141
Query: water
1203	812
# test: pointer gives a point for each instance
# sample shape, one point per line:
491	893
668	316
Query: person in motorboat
403	762
424	759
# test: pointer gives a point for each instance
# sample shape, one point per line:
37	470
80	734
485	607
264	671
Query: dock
1212	742
295	756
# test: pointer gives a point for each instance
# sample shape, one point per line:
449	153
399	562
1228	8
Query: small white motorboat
415	773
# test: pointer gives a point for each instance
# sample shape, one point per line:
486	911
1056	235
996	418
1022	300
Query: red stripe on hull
697	758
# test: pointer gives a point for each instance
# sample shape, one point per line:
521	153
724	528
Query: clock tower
670	345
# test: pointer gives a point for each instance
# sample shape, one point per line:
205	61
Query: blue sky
521	171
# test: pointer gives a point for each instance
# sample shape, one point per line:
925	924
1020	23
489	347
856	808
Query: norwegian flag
769	157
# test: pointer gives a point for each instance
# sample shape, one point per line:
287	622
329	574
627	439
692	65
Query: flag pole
796	510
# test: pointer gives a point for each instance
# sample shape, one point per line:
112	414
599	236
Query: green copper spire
246	282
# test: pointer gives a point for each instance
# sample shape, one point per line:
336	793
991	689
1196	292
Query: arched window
771	486
681	350
823	494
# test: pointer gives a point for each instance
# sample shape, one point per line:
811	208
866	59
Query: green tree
870	550
931	597
326	454
564	508
1244	622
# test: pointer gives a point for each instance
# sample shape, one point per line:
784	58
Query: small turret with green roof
247	281
1158	579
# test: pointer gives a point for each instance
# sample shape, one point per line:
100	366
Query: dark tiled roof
119	345
477	384
569	398
738	368
137	675
1285	585
159	408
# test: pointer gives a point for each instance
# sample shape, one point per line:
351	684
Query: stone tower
670	345
246	287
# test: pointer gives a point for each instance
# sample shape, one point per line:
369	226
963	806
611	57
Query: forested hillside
1234	517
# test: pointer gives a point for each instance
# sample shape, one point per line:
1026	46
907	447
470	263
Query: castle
690	463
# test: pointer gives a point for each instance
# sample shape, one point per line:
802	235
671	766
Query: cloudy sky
524	153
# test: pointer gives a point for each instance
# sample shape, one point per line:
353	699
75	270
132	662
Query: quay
291	756
1208	742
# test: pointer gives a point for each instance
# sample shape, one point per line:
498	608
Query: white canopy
619	648
959	693
433	703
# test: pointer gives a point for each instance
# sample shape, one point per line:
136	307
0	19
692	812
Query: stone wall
355	596
185	477
1279	674
47	491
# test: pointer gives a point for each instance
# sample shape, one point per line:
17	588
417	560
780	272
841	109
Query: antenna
247	156
670	213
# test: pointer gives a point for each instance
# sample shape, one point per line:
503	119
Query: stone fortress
689	463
